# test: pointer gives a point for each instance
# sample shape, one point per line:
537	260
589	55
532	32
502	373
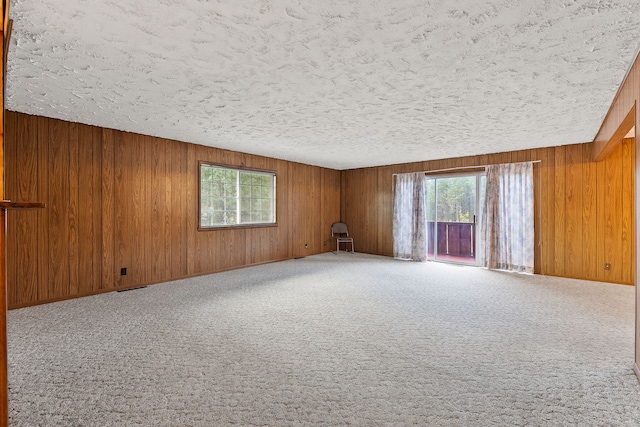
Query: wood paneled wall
584	209
116	199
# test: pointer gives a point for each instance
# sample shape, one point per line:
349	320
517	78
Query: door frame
458	174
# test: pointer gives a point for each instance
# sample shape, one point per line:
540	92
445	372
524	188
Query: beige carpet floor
331	340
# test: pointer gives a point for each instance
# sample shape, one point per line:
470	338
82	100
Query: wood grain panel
547	209
26	233
369	213
627	242
280	237
559	206
315	220
148	205
602	187
42	225
108	202
58	209
613	215
589	215
178	212
303	197
21	222
137	177
574	211
97	217
297	196
166	178
330	206
283	209
358	201
192	210
9	234
73	177
89	266
156	191
385	210
537	219
358	225
123	209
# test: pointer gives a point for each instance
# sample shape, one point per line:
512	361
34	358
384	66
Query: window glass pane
230	188
265	205
230	204
217	203
216	189
223	189
217	217
245	178
456	199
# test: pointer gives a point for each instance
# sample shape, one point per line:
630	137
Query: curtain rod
468	167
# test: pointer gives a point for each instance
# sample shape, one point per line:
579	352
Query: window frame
239	169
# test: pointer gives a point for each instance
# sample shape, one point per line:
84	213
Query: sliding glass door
452	216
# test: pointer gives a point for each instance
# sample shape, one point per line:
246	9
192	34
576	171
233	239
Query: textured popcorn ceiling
343	84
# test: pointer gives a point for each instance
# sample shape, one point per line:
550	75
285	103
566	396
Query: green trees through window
456	199
230	197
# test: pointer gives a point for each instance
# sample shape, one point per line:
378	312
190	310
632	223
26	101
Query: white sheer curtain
507	241
409	217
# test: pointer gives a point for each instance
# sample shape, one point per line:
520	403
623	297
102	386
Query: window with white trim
236	197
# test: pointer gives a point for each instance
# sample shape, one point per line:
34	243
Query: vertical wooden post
4	390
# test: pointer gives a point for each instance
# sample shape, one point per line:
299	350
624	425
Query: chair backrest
339	228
